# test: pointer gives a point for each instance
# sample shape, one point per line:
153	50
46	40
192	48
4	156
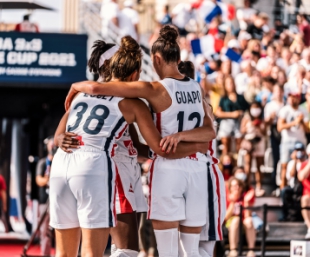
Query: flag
204	45
233	56
207	45
209	10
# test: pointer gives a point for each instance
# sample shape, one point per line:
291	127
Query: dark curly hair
99	48
167	44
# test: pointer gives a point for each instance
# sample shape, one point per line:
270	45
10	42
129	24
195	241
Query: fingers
162	141
65	149
169	143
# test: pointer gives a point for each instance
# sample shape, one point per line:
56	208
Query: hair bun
129	45
169	33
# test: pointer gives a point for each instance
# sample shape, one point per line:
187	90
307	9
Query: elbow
92	88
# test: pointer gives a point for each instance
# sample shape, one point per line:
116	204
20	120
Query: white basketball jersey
125	146
97	120
186	111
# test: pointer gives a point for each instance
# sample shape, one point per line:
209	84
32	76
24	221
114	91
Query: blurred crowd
255	71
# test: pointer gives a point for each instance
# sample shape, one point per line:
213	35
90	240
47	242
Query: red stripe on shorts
124	203
219	225
150	188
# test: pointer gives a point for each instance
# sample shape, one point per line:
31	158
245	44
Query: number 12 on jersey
192	116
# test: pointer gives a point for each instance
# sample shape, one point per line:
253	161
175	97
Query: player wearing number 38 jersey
82	183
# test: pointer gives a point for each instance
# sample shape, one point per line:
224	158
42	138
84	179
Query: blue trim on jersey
212	229
110	171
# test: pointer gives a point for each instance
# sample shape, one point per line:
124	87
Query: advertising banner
27	58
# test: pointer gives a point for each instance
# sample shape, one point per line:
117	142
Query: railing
265	209
90	23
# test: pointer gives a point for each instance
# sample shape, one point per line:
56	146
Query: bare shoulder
129	104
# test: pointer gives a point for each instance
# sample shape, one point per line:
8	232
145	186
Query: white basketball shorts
178	191
216	210
82	186
129	194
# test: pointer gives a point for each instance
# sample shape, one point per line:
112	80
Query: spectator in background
3	203
242	79
166	20
304	177
292	124
237	196
181	15
42	180
304	28
26	25
113	19
279	27
254	130
297	82
227	164
265	95
259	26
305	108
133	16
244	38
230	110
245	15
291	194
271	114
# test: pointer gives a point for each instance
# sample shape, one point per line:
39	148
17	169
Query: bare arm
134	110
137	89
42	181
281	125
226	115
143	150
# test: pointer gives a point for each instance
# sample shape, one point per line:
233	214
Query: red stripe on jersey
121	132
124	203
113	150
158	122
215	160
114	205
219	225
150	188
193	157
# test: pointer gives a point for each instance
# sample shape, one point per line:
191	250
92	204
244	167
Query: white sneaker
307	236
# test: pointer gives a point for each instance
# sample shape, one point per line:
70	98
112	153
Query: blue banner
42	58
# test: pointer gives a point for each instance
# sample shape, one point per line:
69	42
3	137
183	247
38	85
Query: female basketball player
82	183
212	231
129	198
178	195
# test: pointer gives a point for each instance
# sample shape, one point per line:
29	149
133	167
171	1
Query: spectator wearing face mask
227	164
271	114
304	177
237	195
291	194
254	130
292	124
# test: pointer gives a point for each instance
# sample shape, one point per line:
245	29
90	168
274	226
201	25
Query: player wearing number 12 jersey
177	103
82	183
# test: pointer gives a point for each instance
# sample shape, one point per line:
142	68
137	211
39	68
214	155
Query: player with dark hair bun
178	199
